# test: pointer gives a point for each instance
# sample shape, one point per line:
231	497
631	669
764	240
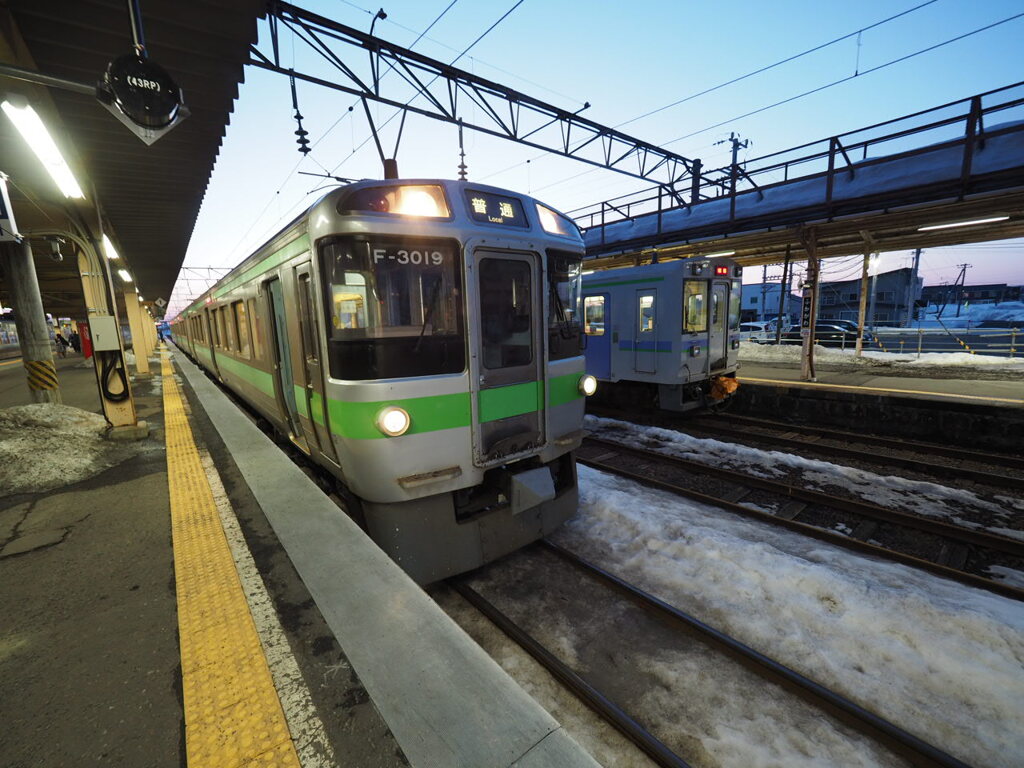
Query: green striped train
421	340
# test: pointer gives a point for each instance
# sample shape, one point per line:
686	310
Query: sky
640	66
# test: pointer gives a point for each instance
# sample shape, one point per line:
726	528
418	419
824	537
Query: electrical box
103	330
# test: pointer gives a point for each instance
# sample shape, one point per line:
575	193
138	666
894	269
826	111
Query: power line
847	79
776	64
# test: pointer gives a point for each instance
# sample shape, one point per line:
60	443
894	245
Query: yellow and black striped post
42	375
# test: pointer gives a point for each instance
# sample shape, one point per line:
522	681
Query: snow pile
943	661
46	446
1007	313
790	354
914	496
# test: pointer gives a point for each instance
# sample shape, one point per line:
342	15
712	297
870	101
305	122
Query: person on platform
62	345
76	341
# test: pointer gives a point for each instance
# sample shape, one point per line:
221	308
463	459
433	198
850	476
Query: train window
254	331
565	282
646	318
241	328
394	307
593	312
716	317
226	336
506	314
695	315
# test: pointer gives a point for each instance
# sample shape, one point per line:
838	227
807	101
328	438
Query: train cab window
241	328
716	311
394	307
593	313
506	313
565	283
695	314
646	318
254	331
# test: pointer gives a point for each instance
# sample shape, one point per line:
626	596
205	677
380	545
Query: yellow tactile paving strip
233	716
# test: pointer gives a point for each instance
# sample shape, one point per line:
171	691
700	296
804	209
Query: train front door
510	402
313	370
284	381
645	337
718	332
596	316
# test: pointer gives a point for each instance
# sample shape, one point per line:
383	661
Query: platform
196	599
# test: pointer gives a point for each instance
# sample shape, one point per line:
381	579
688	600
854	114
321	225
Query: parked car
824	334
761	333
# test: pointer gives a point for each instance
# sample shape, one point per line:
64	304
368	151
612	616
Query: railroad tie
790	510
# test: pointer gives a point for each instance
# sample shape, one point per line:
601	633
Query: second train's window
593	313
506	313
695	308
646	318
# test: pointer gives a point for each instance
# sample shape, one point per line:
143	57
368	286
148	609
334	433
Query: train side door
211	337
314	385
284	381
597	327
645	338
510	403
718	331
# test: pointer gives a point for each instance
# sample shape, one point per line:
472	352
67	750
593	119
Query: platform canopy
148	196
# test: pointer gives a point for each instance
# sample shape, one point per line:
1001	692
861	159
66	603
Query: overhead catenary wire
848	78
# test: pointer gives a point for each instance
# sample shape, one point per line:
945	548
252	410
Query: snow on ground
914	496
46	446
790	353
943	661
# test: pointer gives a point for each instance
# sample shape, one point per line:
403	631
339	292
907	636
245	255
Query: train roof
663	269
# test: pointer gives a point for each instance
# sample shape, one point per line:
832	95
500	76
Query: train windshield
394	307
565	284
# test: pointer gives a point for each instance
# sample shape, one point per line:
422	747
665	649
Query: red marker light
721	270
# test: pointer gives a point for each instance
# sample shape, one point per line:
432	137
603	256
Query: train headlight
587	385
393	421
555	223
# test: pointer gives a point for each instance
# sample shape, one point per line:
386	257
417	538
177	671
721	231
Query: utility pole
912	293
764	288
959	285
737	145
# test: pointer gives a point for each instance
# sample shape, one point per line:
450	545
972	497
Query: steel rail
821	534
941	470
899	444
589	695
947	530
879	728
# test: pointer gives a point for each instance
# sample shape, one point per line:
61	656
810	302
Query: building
893	305
941	295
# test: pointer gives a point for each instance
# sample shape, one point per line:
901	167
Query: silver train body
431	362
665	333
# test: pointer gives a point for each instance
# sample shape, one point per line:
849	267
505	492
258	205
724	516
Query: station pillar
809	309
30	320
140	340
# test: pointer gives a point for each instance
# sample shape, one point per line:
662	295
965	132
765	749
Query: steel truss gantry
448	92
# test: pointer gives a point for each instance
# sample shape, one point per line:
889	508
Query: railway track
813	434
956	464
947	550
661	615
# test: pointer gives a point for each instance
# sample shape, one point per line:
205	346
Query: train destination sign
496	209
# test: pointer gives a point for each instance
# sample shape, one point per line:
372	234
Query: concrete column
33	333
139	342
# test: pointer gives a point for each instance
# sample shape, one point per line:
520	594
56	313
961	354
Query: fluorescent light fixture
39	141
963	223
720	253
125	275
109	249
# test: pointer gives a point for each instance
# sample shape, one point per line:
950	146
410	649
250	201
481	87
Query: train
421	341
9	345
666	334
